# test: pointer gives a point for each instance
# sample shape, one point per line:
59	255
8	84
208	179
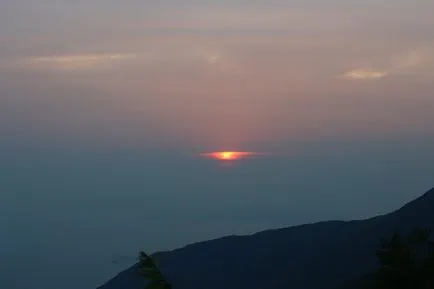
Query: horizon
127	125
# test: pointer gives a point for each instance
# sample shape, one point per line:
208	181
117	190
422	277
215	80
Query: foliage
148	269
406	262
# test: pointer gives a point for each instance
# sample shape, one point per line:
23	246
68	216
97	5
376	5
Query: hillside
323	255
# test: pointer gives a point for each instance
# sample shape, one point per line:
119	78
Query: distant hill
325	255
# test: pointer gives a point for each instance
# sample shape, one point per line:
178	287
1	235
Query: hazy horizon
105	107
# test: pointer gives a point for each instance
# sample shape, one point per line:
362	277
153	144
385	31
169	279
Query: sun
228	155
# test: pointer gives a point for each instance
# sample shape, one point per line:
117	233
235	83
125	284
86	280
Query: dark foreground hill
323	255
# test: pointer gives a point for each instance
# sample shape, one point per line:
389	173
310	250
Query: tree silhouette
406	262
148	269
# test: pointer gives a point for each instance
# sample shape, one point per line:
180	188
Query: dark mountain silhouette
323	255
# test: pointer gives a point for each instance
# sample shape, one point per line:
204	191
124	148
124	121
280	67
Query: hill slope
315	256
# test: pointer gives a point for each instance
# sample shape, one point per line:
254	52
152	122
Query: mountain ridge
321	250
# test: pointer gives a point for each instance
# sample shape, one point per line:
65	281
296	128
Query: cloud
174	53
418	61
213	59
365	74
75	61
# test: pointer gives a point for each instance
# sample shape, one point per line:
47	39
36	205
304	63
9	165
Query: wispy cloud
419	61
160	53
415	61
75	61
359	74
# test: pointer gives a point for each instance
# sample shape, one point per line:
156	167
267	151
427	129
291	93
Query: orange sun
228	155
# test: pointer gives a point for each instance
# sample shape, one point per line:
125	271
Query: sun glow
229	155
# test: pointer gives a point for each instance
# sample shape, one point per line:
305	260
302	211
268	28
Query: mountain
323	255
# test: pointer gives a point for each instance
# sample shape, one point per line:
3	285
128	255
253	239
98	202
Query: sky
106	107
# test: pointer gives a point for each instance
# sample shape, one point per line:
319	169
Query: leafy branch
148	269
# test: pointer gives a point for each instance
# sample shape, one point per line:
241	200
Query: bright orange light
228	155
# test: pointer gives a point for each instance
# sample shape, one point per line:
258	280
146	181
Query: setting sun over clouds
120	114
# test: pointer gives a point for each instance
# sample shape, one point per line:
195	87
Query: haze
105	105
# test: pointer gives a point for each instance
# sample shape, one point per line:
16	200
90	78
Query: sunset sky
106	106
214	74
